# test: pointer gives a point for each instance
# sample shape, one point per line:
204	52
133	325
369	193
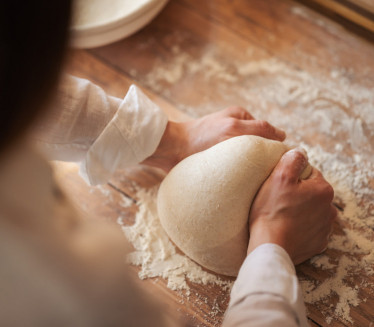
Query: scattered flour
278	92
314	18
156	254
158	257
351	268
126	201
104	191
309	107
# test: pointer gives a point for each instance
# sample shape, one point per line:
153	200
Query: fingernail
302	151
298	150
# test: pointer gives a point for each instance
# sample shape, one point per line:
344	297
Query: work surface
285	64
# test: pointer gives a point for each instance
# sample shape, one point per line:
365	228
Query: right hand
295	214
181	140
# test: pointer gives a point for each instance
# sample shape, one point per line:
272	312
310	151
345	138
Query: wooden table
196	56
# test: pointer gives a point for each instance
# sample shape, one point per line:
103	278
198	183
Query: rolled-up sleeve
102	132
266	292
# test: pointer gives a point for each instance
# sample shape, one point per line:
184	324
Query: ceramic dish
97	22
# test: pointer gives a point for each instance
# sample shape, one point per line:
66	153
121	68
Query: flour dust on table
316	105
156	254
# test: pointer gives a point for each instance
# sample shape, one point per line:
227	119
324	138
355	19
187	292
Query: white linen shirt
105	133
266	292
102	132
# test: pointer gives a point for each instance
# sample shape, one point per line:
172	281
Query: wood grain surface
162	60
357	11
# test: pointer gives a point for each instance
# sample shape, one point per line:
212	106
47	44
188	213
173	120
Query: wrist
265	234
170	149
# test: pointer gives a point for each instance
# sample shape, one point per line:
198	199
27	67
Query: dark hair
33	39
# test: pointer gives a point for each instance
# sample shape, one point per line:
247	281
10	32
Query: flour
307	106
155	253
314	19
126	201
158	257
355	246
284	95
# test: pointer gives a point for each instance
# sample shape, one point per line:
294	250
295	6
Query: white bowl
100	22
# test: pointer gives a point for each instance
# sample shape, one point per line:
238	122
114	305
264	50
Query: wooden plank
158	58
291	32
353	13
365	5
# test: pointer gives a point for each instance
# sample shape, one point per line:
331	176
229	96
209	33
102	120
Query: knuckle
235	110
324	191
282	176
297	158
263	124
265	127
230	126
238	112
239	109
328	192
229	110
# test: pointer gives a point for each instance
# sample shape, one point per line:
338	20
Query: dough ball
204	202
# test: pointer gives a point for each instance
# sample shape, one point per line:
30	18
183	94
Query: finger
239	113
307	172
315	174
262	128
291	165
318	178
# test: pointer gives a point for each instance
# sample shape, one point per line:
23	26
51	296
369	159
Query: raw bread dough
204	201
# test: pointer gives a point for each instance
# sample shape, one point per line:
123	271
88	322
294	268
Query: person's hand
181	140
295	214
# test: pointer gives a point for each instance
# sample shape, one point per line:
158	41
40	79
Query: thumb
292	164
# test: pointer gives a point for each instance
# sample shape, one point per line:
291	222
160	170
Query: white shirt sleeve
266	292
101	132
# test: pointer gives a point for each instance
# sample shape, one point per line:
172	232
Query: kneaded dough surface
204	201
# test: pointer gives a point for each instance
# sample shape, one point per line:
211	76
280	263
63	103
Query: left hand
293	213
181	140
